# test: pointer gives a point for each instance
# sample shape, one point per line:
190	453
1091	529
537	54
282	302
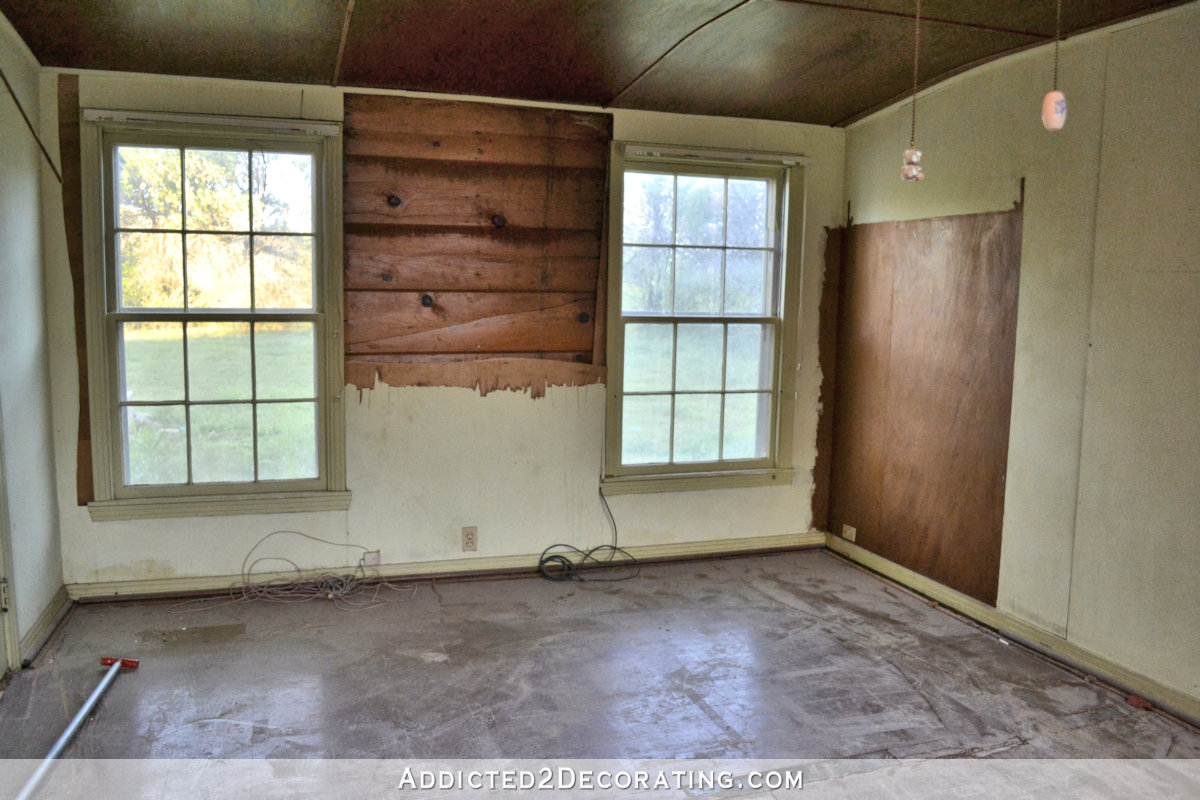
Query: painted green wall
1102	511
24	372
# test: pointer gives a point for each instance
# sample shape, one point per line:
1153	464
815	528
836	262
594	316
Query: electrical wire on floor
564	562
353	591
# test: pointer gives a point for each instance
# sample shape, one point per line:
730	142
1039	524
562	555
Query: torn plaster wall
425	461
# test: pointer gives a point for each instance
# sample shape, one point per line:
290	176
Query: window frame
102	132
776	469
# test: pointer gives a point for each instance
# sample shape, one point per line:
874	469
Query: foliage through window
698	324
214	313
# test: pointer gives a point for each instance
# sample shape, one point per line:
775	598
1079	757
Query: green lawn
223	384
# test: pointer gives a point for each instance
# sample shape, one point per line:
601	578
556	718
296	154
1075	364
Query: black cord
555	563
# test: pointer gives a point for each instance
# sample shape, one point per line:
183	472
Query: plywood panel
861	375
827	358
473	232
925	364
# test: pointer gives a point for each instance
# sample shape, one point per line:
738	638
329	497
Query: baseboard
111	590
1169	699
45	624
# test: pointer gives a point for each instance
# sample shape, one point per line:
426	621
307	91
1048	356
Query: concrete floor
798	655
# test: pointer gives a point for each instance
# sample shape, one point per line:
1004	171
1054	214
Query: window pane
155	444
218	271
285	360
748	213
648	351
646	430
222	443
151	361
749	283
217	190
701	218
151	269
698	363
649	211
218	361
147	183
283	192
646	280
747	424
697	281
287	441
283	272
748	357
697	427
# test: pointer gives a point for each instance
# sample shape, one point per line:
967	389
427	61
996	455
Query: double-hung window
701	313
214	310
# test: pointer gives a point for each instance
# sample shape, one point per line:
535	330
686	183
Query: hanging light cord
912	131
1057	38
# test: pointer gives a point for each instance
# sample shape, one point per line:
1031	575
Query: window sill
218	505
698	481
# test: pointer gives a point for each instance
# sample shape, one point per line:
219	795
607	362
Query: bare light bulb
1054	110
911	171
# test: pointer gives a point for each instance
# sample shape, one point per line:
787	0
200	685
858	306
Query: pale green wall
1102	511
24	377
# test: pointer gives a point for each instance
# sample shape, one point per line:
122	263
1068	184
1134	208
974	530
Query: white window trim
110	502
668	477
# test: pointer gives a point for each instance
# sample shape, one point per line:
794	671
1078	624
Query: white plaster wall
424	462
24	371
1100	549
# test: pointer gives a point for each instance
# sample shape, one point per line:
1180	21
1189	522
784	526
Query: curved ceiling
826	63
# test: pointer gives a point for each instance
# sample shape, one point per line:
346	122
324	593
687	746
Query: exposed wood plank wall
472	233
827	359
72	199
925	344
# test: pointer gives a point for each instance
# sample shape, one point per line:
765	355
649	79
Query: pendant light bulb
911	170
1054	110
1054	104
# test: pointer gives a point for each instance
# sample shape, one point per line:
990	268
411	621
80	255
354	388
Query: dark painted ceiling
826	62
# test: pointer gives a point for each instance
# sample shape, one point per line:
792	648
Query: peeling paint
488	375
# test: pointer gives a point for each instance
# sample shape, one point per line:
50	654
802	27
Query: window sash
778	439
106	315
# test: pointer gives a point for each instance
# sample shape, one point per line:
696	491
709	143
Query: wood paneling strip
473	232
827	359
926	341
72	199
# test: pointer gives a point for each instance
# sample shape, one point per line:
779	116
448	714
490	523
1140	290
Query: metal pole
114	667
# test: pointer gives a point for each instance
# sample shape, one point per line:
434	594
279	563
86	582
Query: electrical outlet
371	558
849	533
470	539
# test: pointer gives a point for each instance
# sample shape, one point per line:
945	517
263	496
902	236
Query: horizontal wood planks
925	345
472	231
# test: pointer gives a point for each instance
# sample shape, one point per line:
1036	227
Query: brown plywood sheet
924	375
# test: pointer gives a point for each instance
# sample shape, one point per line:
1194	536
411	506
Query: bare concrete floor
795	655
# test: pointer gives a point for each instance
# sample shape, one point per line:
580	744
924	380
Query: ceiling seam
904	15
672	49
337	66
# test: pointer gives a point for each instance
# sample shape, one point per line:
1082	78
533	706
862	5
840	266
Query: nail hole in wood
426	300
394	201
583	316
499	221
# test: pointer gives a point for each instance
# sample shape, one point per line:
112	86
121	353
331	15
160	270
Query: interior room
723	379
